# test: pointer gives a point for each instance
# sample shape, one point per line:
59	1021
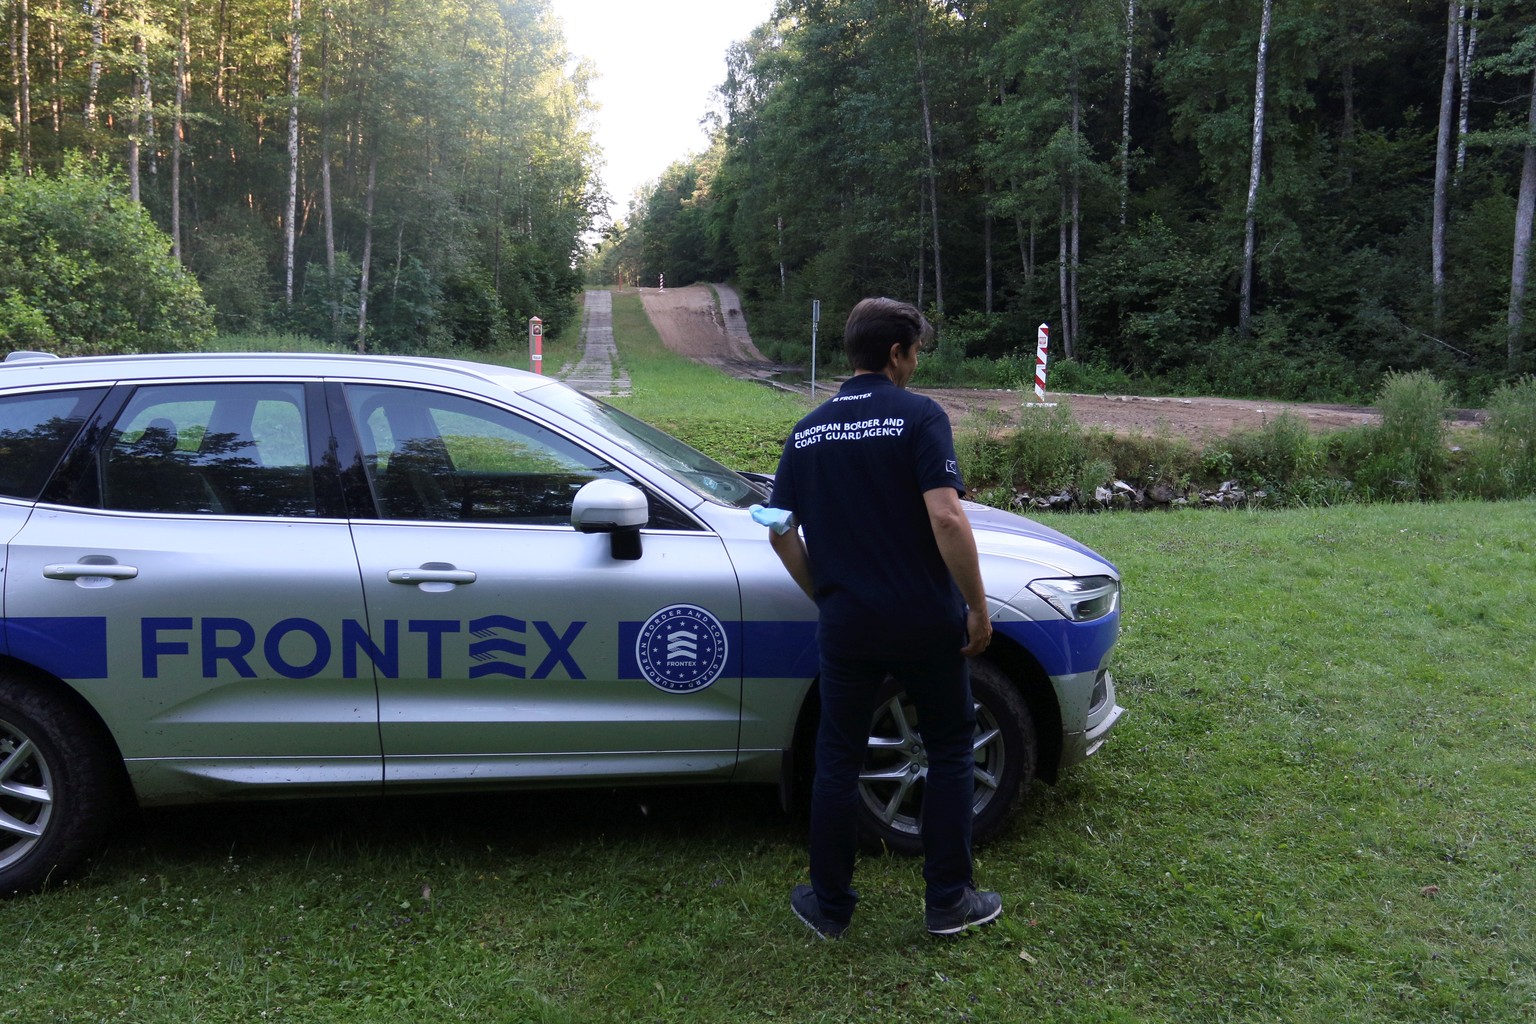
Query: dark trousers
940	686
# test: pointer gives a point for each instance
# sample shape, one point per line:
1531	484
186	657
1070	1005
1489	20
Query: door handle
412	577
78	570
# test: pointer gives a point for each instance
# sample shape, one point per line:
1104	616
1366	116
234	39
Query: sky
658	61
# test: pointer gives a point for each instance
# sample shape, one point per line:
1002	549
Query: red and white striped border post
1041	353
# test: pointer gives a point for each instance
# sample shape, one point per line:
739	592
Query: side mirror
612	507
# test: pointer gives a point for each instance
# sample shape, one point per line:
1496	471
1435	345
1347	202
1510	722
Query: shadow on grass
464	828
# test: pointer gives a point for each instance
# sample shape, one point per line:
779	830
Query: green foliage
1502	459
1047	450
456	136
1147	459
84	270
818	186
1076	377
1282	455
1409	452
233	267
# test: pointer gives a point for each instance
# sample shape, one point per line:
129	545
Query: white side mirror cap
606	506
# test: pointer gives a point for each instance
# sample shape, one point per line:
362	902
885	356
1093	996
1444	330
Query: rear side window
35	430
216	449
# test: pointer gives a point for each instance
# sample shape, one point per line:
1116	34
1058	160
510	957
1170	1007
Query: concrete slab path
597	372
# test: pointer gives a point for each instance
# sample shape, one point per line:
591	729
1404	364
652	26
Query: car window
687	465
219	449
35	430
442	457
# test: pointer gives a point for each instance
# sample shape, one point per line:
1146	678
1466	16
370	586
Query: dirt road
694	322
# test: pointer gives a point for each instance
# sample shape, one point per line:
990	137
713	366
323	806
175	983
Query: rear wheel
56	786
895	771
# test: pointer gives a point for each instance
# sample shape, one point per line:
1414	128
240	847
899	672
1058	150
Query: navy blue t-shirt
853	472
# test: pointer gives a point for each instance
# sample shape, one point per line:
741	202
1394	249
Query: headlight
1082	598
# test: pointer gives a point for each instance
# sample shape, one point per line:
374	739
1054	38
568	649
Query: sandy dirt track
692	323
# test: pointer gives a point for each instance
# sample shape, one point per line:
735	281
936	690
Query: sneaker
807	908
973	910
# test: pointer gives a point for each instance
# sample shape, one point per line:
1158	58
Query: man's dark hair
877	324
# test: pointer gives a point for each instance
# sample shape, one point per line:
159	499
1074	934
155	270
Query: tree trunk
24	84
1466	50
290	223
367	263
56	63
1245	297
147	98
986	237
1347	129
1077	208
1525	210
783	274
933	174
135	123
1061	273
223	37
922	248
93	11
182	45
1442	164
325	150
1125	109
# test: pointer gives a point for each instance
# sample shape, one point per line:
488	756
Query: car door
510	646
182	575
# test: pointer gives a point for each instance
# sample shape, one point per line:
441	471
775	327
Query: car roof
23	369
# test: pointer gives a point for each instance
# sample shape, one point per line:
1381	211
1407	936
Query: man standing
889	558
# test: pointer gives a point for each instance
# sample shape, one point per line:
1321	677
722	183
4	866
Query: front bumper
1103	715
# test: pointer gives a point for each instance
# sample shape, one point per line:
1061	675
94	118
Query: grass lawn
1318	809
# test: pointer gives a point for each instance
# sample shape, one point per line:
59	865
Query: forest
380	173
1281	197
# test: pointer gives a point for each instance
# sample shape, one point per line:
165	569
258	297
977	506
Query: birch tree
290	221
1441	202
1255	165
1125	108
1466	54
1525	211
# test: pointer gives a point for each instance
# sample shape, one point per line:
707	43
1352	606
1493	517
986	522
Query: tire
895	769
58	791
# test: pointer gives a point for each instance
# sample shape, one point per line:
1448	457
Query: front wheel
56	786
895	769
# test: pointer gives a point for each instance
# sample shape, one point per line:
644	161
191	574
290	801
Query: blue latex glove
776	519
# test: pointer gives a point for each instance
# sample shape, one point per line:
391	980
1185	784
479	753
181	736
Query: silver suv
231	576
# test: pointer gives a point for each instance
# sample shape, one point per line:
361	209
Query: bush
1047	450
1502	459
1409	456
84	270
1283	455
1149	459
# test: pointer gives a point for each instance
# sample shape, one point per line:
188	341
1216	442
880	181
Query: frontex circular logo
681	649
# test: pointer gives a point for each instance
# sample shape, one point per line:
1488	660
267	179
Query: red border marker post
536	344
1042	347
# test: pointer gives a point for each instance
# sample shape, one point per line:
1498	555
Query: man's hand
978	631
957	546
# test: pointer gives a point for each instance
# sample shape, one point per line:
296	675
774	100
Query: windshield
688	466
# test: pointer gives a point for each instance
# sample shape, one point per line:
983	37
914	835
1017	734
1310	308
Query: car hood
1003	534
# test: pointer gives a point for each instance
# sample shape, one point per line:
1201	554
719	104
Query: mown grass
1316	810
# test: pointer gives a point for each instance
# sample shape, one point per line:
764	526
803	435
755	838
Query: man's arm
791	551
957	546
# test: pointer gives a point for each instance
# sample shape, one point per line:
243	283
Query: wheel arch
100	734
1034	685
